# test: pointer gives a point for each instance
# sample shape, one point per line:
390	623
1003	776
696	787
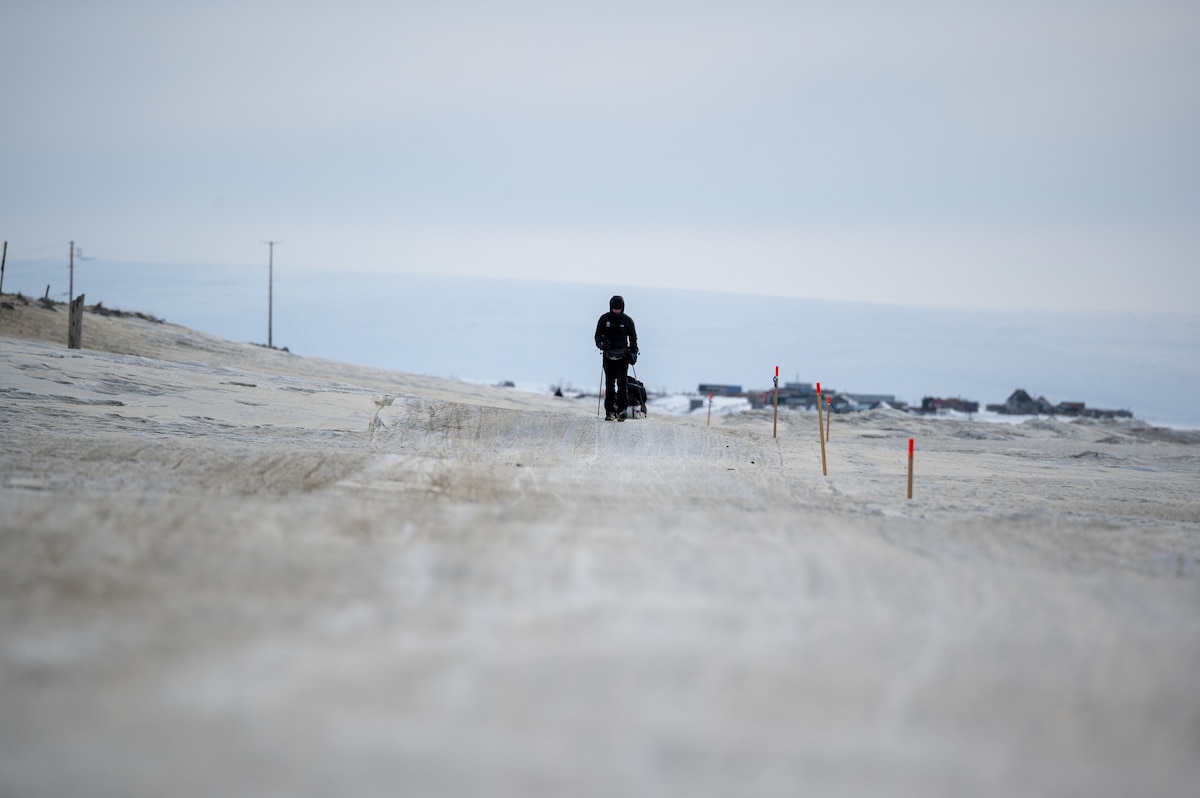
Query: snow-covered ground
228	570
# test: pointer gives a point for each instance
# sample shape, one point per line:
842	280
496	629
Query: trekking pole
600	393
641	391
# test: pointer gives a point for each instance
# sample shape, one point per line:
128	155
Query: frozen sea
539	334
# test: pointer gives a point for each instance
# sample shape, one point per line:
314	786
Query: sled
636	393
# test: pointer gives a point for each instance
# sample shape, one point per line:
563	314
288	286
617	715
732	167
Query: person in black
617	337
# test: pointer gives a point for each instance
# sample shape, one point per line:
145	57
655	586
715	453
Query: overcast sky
1039	153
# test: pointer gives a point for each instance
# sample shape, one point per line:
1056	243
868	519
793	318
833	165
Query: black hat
616	303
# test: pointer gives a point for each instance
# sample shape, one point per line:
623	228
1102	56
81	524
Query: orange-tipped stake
709	410
821	433
910	463
775	424
820	421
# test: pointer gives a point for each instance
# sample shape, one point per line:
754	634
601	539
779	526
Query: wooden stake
828	415
709	410
3	260
75	324
821	432
910	466
775	425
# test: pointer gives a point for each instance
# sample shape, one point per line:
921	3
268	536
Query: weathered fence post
75	325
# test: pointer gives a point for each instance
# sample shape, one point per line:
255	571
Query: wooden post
775	424
709	424
71	285
270	294
3	260
75	324
910	466
821	433
271	291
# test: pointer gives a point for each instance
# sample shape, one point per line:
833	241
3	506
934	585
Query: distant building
932	404
797	395
1020	403
720	390
1095	412
791	394
857	402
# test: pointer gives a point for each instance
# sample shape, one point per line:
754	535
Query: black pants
616	385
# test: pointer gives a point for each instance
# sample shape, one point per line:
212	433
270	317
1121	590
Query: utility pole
270	289
71	289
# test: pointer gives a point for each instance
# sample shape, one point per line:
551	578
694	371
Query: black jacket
616	334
